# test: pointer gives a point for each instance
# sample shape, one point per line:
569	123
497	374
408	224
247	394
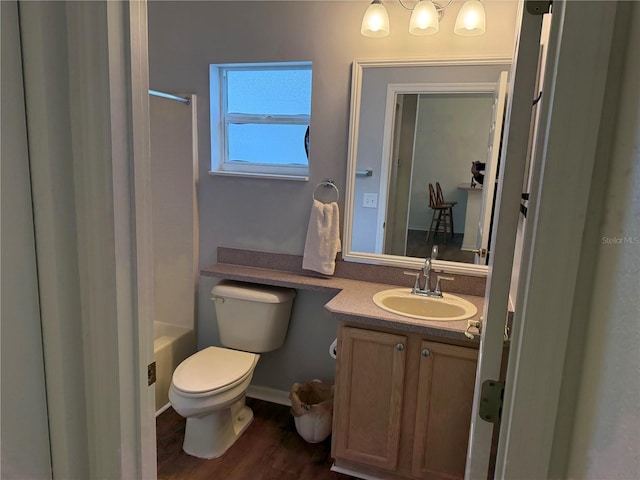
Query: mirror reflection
419	127
434	140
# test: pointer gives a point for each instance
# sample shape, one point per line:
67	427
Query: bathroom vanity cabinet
402	404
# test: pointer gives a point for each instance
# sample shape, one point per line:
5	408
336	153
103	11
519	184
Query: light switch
370	200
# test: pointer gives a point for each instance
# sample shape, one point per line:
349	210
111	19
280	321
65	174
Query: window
260	119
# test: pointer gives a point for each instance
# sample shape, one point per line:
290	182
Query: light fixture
471	19
375	22
425	18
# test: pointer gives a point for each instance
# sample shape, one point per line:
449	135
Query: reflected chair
441	201
442	217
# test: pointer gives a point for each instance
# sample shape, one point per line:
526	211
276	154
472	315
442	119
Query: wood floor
417	246
269	449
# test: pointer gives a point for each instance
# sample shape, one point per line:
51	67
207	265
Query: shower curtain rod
156	93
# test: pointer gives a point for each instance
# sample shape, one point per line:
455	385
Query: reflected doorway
435	138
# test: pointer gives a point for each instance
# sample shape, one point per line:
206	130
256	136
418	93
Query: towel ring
326	183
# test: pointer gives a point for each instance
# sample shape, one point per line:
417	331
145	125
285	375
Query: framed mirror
415	123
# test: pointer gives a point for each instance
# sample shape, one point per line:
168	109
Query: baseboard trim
353	473
162	409
269	395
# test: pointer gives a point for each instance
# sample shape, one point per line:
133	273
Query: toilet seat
213	370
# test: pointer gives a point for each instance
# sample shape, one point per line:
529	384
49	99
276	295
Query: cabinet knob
400	347
426	352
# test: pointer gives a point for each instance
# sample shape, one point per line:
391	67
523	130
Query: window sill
273	176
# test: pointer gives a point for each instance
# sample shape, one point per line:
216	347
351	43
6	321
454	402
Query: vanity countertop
355	305
353	301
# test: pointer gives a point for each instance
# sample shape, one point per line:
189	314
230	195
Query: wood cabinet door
443	414
369	396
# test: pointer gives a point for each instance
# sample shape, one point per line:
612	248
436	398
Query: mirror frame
358	68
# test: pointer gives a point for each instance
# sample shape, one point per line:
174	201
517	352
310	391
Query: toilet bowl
208	388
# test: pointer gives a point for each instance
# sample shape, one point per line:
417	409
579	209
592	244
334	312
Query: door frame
580	50
86	81
548	300
127	140
545	293
517	121
120	88
581	39
489	194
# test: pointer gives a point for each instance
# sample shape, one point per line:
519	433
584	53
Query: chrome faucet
426	270
426	273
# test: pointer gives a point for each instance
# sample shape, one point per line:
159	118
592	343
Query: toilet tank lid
252	292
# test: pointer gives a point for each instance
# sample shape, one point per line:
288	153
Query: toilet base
212	435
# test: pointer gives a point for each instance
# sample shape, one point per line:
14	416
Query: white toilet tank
252	318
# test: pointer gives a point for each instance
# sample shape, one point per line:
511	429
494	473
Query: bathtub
171	345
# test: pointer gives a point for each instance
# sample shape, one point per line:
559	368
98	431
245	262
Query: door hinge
491	398
151	373
535	7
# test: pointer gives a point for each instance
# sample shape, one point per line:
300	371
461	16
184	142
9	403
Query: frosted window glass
267	144
277	92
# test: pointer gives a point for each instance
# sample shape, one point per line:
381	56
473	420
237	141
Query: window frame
220	119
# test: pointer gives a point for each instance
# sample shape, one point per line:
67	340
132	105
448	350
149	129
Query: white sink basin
401	301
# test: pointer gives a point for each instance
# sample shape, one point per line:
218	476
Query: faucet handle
442	277
416	284
434	252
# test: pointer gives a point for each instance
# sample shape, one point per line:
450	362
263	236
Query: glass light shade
424	19
375	22
471	19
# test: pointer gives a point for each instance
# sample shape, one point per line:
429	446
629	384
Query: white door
491	170
553	298
513	155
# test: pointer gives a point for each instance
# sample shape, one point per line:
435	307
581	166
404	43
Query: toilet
208	388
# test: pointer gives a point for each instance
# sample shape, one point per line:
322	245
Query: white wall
606	434
25	432
185	37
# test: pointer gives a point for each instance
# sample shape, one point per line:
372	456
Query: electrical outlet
370	200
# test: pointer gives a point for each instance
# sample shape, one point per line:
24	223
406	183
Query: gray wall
606	432
272	215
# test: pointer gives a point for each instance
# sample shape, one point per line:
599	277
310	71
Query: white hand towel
323	238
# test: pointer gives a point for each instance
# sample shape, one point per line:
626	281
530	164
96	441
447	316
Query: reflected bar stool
442	217
441	201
